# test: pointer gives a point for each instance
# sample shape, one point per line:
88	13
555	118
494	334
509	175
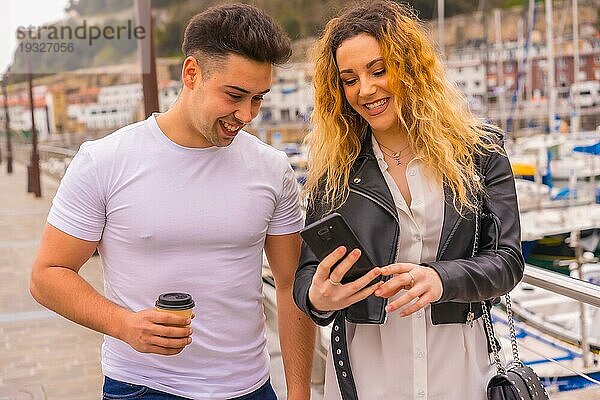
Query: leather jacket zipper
386	208
450	237
378	202
396	247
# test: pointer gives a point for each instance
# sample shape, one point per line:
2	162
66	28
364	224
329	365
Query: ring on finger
334	283
412	279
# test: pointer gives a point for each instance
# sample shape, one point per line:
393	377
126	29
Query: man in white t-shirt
186	201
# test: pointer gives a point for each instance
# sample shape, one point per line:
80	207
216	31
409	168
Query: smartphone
331	232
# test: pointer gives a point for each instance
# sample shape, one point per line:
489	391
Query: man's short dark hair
236	28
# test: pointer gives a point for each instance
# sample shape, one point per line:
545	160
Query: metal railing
576	289
579	290
54	160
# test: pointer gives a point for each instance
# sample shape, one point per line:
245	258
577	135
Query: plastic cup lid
175	301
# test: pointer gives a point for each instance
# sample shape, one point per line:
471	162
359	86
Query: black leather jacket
467	280
494	270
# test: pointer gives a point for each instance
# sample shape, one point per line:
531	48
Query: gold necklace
396	155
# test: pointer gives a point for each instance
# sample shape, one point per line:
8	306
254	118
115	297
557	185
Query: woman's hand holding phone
422	284
327	293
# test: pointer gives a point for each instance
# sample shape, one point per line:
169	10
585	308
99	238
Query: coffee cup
176	303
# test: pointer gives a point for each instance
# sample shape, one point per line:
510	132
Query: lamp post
4	94
33	184
143	9
9	157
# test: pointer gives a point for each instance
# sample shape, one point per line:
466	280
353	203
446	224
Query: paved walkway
42	355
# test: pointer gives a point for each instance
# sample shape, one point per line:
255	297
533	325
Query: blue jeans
117	390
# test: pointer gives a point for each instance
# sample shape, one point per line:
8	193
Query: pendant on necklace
396	157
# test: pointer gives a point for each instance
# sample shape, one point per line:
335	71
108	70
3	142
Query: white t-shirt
172	218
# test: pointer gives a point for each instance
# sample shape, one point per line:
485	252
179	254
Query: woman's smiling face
365	81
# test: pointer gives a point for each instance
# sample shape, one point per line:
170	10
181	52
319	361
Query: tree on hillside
98	7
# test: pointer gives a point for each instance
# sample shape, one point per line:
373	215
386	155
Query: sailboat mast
500	69
440	7
575	100
550	84
529	80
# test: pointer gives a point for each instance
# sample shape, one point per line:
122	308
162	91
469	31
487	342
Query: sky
15	13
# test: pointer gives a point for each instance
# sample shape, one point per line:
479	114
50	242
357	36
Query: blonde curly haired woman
397	153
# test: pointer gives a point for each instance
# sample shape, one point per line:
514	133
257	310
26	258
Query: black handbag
518	381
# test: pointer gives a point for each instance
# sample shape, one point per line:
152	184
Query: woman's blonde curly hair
433	113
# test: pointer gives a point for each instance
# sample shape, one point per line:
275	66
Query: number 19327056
46	47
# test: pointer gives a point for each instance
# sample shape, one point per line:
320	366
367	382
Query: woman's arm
498	263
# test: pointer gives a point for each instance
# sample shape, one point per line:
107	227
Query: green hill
300	18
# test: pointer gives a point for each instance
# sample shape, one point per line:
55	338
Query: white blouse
410	358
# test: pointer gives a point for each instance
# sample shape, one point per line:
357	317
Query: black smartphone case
331	232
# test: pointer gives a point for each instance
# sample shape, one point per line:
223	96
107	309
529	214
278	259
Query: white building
291	98
465	68
19	112
168	92
119	105
115	106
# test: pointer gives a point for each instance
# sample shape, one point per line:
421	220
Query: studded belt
341	358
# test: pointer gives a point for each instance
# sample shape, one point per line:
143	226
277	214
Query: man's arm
56	284
296	330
